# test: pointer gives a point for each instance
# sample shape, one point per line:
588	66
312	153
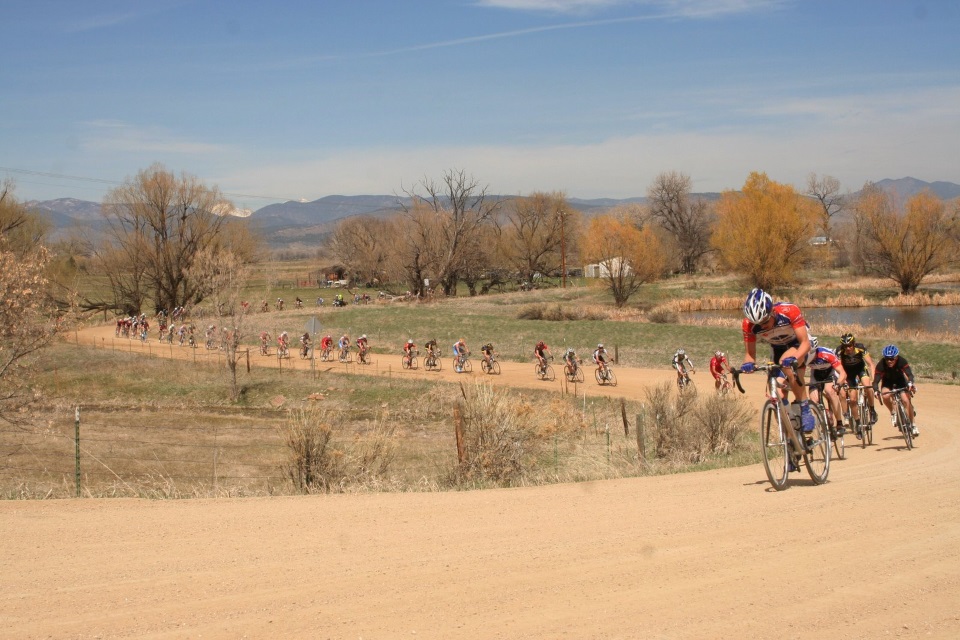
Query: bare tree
157	224
362	245
826	191
538	232
685	218
905	243
459	208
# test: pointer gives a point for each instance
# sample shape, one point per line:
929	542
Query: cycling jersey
681	362
717	365
893	375
787	318
598	356
854	362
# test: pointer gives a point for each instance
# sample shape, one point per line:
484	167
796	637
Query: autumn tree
629	254
905	243
764	231
156	225
826	191
453	210
29	320
537	232
685	218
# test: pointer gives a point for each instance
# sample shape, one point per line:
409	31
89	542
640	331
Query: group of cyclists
847	367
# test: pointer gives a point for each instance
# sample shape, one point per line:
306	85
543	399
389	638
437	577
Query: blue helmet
758	306
891	351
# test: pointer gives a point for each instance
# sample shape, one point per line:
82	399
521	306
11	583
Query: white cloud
121	137
665	8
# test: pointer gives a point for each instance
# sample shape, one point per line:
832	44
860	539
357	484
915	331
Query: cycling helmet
847	339
409	341
891	351
758	306
363	337
718	354
681	352
814	343
600	346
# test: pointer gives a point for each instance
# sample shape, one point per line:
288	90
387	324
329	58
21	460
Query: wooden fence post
641	444
623	414
458	427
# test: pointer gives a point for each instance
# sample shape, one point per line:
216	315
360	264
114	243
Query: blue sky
302	99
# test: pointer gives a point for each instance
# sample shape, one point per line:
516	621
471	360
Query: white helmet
409	341
681	352
600	346
814	343
718	354
758	305
363	337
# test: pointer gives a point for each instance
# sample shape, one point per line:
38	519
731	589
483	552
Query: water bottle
794	411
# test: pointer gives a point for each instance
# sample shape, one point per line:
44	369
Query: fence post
623	414
458	427
77	454
641	444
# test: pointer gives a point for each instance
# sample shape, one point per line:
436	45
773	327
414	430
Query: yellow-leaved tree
627	253
764	231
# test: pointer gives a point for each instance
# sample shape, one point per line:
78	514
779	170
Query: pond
932	319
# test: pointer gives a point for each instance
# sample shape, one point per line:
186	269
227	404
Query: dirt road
873	553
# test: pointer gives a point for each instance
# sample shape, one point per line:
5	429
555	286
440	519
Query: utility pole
563	248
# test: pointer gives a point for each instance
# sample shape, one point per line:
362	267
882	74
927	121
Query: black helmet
847	339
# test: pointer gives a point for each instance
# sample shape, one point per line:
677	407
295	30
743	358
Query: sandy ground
873	553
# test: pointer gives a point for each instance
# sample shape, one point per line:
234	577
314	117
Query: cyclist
431	347
859	366
279	304
826	367
541	351
282	344
487	351
408	350
894	372
326	343
299	302
264	343
783	326
209	335
344	345
305	343
460	352
718	366
570	361
680	362
600	358
362	348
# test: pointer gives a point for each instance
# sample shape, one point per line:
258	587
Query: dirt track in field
873	553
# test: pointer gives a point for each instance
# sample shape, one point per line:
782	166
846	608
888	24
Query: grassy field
160	428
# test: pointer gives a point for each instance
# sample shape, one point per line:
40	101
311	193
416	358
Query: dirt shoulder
874	552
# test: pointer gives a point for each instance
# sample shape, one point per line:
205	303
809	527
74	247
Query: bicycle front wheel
578	375
904	425
773	446
611	377
599	376
816	453
494	368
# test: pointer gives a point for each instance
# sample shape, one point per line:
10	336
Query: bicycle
573	371
362	356
725	385
325	354
345	355
306	351
431	362
782	443
264	349
837	432
490	365
684	381
545	371
462	364
409	359
283	351
857	415
901	422
604	375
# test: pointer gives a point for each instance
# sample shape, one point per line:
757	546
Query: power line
63	176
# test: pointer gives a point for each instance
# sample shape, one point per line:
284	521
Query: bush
558	313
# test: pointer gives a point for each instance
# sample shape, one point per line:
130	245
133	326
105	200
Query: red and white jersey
787	318
822	358
717	365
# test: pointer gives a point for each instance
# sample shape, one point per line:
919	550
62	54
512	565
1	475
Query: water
932	319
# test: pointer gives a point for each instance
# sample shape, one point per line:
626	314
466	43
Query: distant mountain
908	187
328	209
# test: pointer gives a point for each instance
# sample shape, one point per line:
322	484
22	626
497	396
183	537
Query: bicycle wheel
905	427
548	374
404	363
838	444
467	366
816	454
413	362
611	377
773	446
494	368
437	364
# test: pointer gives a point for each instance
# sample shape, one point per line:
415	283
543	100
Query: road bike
431	362
462	364
283	351
573	371
362	356
783	445
264	349
900	419
858	416
306	351
725	385
605	376
409	359
489	365
345	355
325	354
836	430
684	382
544	371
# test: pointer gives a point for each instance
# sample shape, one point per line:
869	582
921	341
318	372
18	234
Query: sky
301	99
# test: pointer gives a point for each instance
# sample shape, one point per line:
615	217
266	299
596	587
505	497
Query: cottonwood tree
29	320
906	243
220	277
537	232
764	231
685	218
826	191
156	225
362	245
629	255
459	208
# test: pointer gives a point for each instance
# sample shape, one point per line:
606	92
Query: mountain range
290	221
